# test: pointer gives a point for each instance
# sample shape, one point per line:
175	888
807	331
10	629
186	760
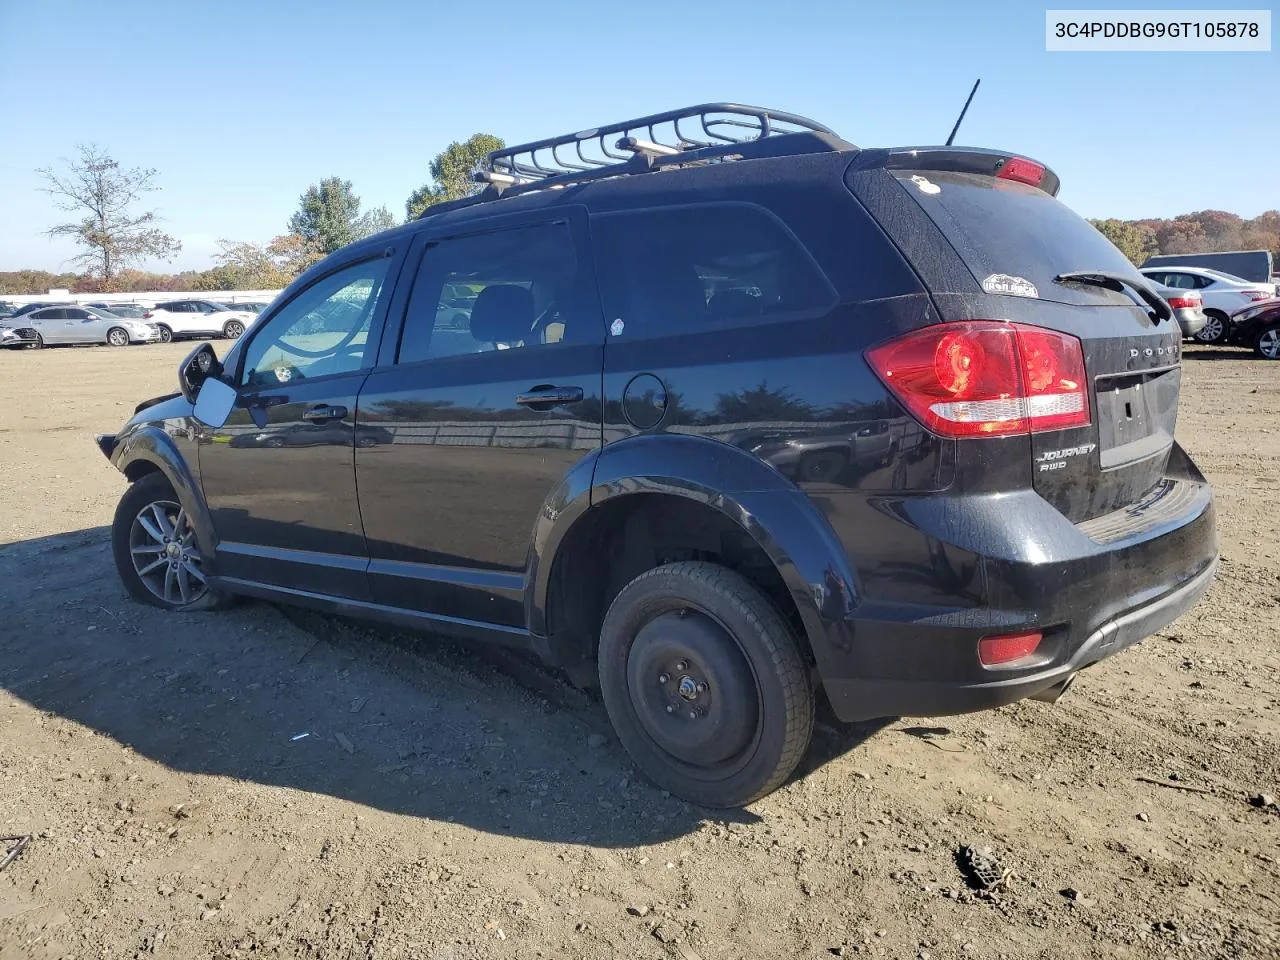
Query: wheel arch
768	529
149	449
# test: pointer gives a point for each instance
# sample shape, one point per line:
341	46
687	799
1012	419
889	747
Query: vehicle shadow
396	721
1218	353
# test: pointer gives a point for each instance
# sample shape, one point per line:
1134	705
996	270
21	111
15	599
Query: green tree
451	172
374	221
112	232
327	215
1135	241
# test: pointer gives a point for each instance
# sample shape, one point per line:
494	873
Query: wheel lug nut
664	678
702	688
695	713
670	708
682	665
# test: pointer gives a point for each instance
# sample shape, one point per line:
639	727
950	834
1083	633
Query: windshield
999	227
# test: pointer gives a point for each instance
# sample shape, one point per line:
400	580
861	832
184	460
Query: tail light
1021	170
1185	303
1256	295
993	651
984	378
148	314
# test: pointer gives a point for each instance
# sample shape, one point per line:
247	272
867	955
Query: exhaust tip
1054	693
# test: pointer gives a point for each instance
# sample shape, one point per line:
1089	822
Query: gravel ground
447	804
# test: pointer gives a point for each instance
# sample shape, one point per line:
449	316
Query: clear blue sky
240	105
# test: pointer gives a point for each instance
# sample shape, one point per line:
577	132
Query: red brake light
1256	295
147	314
1014	646
1021	170
1185	302
984	378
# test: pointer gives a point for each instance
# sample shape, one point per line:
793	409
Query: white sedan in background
69	324
179	319
1223	295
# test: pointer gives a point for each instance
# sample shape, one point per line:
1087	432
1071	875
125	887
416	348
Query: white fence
148	298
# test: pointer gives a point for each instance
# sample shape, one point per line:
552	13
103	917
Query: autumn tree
1134	240
451	172
113	233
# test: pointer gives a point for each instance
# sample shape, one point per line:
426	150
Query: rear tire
118	337
705	684
1267	343
1216	328
233	329
166	335
147	522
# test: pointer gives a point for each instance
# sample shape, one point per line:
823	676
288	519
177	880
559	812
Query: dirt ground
447	805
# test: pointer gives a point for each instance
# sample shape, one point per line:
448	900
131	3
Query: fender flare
149	443
778	516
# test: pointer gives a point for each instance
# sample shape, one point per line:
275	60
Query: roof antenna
963	111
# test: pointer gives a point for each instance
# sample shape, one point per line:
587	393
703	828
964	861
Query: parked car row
72	325
119	324
1224	295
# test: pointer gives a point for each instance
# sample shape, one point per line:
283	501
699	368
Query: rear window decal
1013	286
925	185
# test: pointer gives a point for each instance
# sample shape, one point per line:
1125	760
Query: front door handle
322	413
545	396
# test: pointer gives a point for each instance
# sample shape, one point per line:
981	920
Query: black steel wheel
155	549
705	684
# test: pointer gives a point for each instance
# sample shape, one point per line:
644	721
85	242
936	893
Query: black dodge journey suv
718	409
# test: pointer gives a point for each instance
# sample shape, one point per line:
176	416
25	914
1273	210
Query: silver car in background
54	326
1187	307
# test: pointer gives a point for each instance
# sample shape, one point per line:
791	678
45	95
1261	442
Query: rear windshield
1002	227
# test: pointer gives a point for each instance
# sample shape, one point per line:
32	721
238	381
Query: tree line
114	236
1205	231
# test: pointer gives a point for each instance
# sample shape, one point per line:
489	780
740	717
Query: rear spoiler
988	163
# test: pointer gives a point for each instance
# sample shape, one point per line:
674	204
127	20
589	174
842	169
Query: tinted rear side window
685	269
1003	227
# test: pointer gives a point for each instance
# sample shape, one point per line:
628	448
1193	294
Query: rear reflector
1023	171
993	651
1185	303
981	378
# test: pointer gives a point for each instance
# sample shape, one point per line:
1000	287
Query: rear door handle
545	396
322	413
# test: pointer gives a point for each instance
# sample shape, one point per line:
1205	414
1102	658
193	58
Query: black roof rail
711	132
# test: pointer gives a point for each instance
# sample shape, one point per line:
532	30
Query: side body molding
151	444
779	517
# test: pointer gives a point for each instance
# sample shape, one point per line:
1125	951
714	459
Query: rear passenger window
510	289
685	269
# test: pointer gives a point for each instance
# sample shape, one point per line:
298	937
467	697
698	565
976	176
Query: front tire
118	337
155	550
705	685
1267	343
1216	328
232	329
166	335
37	343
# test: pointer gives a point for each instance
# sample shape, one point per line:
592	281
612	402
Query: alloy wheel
233	329
166	335
1213	329
164	552
117	337
1269	343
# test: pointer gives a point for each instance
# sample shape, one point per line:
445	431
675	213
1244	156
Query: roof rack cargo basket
660	134
706	133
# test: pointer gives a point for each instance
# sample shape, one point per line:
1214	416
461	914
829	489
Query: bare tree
113	235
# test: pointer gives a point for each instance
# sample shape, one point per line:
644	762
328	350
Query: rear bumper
860	699
1091	589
